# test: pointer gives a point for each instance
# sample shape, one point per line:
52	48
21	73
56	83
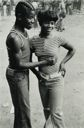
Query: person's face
29	21
48	26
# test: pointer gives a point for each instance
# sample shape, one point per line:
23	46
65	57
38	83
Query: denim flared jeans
19	88
51	92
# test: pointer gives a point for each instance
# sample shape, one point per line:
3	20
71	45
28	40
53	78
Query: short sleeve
62	41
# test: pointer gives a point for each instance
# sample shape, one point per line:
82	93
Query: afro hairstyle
45	16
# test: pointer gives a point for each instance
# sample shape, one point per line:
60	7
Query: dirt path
74	80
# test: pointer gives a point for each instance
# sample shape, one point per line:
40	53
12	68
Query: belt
50	76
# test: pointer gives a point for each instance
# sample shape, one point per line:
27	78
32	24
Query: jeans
19	88
51	92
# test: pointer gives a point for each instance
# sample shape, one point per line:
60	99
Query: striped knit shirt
45	48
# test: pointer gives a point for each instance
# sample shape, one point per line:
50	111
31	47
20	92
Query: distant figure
68	6
59	7
3	7
77	4
8	8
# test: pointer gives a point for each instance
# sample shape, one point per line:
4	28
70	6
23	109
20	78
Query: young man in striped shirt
51	83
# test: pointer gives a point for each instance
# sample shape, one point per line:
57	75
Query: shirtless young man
17	73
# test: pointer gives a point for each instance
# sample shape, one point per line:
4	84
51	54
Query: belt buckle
55	75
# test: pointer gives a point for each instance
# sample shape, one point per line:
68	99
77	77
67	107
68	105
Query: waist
13	61
11	71
49	69
50	76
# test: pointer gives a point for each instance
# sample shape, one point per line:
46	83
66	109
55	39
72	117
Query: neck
18	25
43	33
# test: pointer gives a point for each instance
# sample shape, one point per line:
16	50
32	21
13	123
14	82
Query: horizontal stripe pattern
44	48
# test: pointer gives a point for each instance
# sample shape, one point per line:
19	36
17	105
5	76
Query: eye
52	22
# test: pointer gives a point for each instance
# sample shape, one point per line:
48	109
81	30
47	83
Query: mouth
29	26
49	29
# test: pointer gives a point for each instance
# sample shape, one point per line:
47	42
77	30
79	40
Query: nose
32	20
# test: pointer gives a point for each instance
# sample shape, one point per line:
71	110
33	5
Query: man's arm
35	71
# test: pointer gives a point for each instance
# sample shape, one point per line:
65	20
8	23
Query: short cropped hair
23	8
48	15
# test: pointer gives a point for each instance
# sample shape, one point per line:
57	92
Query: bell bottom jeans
51	92
19	89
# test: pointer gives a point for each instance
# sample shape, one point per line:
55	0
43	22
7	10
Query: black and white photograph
41	64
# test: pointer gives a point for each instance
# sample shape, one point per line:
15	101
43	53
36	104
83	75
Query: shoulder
13	40
59	38
62	40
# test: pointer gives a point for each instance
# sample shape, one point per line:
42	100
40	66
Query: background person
68	6
8	8
59	8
